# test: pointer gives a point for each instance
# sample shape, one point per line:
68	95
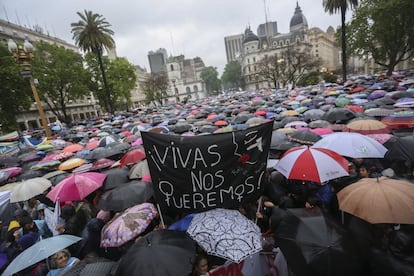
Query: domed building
270	43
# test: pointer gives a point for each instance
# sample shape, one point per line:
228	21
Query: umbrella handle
162	219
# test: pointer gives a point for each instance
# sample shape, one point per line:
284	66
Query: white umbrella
354	145
226	234
29	188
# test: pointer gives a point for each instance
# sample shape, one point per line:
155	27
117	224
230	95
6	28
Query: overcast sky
189	27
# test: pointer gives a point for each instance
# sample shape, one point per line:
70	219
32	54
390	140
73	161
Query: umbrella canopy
400	149
71	164
128	225
402	119
312	164
100	164
125	196
226	234
55	176
73	148
162	252
314	245
338	115
313	114
29	188
304	137
115	177
139	170
40	251
379	200
367	126
106	140
77	186
132	157
352	145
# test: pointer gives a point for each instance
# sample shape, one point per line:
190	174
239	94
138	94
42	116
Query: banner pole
162	219
259	207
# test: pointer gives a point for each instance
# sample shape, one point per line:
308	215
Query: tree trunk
107	92
343	38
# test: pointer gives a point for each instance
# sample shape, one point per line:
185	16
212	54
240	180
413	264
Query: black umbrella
314	245
338	115
9	161
125	196
161	252
304	137
115	177
400	149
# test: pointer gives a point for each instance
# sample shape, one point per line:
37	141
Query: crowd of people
384	249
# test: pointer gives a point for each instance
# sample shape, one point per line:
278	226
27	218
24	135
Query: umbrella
304	137
352	145
367	126
296	124
73	148
132	157
162	252
12	171
71	164
401	119
313	114
114	151
106	140
139	170
338	114
379	112
45	165
127	225
379	200
312	164
77	186
314	245
319	123
127	195
101	164
40	251
29	188
226	234
115	177
55	176
400	149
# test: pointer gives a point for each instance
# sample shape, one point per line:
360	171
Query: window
171	67
254	59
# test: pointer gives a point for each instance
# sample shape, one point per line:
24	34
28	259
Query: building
233	44
184	78
157	60
79	110
137	95
269	41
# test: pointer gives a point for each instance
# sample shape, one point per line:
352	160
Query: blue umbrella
182	224
39	251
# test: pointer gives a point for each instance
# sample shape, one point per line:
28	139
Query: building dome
298	18
249	36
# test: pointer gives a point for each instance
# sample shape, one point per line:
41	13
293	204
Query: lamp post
177	99
23	55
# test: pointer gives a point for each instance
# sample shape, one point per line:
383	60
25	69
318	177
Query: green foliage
155	88
121	77
92	34
61	75
310	79
383	30
210	77
15	91
232	75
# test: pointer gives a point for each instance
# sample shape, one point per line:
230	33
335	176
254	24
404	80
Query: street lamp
23	55
177	99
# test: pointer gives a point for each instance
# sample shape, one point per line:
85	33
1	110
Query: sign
26	74
199	173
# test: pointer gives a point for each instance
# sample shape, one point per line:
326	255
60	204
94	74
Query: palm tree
92	34
332	6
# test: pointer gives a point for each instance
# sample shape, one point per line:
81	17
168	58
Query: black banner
198	173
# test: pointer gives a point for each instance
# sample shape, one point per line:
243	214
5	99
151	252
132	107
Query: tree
232	75
121	78
333	6
92	34
288	66
383	30
155	88
210	77
61	75
15	92
310	79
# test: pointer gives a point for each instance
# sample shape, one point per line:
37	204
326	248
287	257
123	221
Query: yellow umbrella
71	164
290	113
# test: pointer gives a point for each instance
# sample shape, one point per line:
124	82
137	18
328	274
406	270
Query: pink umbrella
312	164
77	186
128	225
12	171
322	131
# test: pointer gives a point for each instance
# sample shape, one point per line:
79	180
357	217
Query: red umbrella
312	164
220	123
93	144
102	164
77	186
132	157
73	148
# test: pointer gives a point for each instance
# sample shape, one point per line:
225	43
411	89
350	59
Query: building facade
79	110
269	41
157	60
